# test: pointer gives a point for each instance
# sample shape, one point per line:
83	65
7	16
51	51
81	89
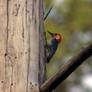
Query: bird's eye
56	34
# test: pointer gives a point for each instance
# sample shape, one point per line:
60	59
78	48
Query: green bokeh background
73	20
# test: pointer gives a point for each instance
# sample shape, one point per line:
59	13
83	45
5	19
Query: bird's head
57	36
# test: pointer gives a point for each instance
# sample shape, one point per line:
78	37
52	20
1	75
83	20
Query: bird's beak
50	33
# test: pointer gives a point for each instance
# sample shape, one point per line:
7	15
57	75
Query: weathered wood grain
21	46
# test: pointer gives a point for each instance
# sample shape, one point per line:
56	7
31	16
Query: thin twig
48	13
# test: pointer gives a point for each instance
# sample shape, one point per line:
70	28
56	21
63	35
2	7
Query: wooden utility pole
22	66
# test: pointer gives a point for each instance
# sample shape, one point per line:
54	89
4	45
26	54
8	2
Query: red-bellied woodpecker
52	45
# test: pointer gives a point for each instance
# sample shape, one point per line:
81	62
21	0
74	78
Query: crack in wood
6	46
16	9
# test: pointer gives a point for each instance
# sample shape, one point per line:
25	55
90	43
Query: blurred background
73	20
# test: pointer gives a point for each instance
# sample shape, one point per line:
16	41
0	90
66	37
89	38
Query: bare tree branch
48	13
67	69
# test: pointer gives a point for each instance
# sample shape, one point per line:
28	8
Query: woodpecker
52	45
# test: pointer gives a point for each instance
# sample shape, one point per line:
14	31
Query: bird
52	45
